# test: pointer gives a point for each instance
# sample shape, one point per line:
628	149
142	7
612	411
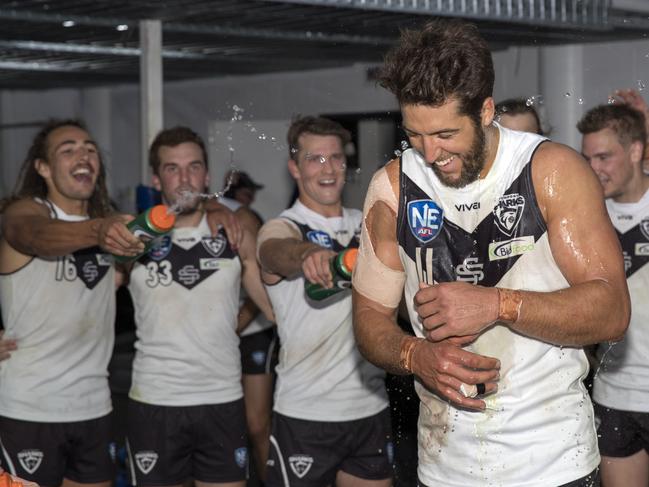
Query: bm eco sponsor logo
511	248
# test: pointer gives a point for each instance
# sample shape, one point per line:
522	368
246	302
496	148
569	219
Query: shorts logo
160	248
300	464
642	249
321	238
241	456
389	450
30	460
644	227
511	248
146	460
508	212
425	219
258	356
215	245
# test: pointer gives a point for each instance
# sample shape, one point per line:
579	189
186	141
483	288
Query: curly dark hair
30	184
171	138
627	123
316	126
446	59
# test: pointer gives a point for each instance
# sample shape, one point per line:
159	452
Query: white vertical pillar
375	147
150	89
562	85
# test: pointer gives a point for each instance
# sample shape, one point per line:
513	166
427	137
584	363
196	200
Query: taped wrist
509	305
408	346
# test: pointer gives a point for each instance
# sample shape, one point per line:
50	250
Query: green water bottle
341	270
149	225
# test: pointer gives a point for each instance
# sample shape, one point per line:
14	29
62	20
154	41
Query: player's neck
492	140
68	205
189	219
328	211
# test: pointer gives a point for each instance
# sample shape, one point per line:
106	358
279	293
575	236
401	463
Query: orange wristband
408	345
509	305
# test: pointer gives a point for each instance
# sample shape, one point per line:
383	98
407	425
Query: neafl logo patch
425	219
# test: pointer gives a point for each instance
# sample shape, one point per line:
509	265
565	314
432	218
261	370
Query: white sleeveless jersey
321	375
622	379
538	429
62	312
259	323
186	294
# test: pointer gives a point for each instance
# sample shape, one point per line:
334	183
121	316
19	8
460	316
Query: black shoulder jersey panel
167	261
89	265
322	238
480	256
635	246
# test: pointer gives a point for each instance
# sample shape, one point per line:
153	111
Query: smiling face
319	170
182	175
450	143
614	164
71	169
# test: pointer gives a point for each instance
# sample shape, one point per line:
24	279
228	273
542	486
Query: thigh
220	452
303	453
33	451
89	451
371	452
159	444
259	352
617	432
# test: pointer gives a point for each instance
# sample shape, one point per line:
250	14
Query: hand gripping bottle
341	270
149	225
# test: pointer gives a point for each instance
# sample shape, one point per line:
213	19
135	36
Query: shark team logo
425	219
300	464
30	460
215	245
508	212
644	227
146	460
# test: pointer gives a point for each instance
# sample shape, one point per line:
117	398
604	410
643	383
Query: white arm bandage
372	278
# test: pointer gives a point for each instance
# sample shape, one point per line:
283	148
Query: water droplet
610	100
641	85
580	101
397	153
404	144
567	95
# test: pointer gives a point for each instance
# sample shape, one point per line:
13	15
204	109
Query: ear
155	180
636	152
488	111
43	168
293	169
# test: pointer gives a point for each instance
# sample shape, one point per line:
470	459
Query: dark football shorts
259	352
621	433
46	453
169	444
310	453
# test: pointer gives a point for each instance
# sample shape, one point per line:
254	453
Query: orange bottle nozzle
349	258
162	218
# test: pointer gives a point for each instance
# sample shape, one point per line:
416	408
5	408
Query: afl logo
321	238
425	219
508	212
160	248
214	245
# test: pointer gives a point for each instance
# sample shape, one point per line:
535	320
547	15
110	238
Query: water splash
641	85
186	197
534	100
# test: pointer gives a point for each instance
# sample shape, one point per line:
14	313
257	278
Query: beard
472	163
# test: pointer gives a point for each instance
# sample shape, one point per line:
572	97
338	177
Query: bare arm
594	308
283	253
251	276
442	367
29	230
